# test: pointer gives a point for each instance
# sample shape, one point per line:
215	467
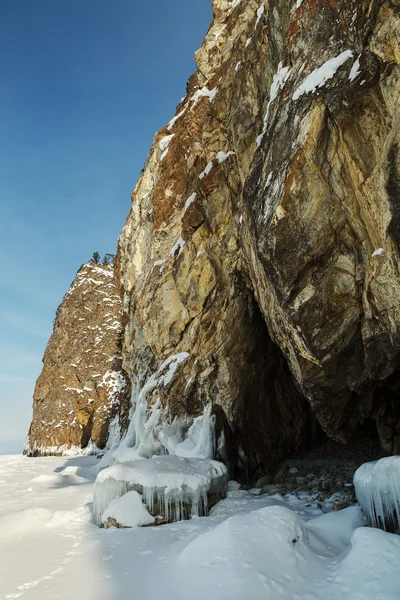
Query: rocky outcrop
82	388
262	238
180	263
259	264
320	233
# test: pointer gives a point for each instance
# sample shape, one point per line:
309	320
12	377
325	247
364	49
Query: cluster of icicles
377	486
173	507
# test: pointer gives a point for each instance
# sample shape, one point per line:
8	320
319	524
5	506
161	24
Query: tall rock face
262	243
321	227
82	389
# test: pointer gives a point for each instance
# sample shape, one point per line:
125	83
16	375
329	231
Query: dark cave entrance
273	422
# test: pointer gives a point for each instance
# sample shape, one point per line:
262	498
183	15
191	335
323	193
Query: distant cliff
262	246
82	388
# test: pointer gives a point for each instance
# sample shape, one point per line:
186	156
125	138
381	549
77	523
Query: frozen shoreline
251	546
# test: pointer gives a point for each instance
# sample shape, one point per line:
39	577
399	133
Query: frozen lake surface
250	547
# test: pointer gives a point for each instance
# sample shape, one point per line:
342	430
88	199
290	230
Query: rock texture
82	387
263	235
321	233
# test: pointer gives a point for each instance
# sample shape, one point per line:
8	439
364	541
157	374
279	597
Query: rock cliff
82	388
260	257
262	239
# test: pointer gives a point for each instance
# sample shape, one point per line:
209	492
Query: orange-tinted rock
82	387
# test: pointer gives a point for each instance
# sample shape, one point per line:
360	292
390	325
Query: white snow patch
174	119
114	382
165	142
248	41
355	70
321	75
260	12
222	156
128	511
220	30
278	83
164	154
204	92
178	247
190	201
160	263
206	170
378	252
238	65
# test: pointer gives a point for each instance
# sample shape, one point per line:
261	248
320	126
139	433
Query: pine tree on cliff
108	259
95	258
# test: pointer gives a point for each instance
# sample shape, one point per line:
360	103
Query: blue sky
85	84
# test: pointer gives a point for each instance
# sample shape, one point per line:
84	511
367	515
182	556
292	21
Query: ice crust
377	486
172	481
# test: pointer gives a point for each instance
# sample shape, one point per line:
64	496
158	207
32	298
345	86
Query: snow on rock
355	70
206	170
190	201
127	511
219	32
178	247
174	119
172	486
260	12
321	75
378	252
278	83
165	142
223	156
204	92
164	154
377	486
115	383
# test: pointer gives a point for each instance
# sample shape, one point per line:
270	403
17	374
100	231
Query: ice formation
377	486
128	511
170	464
150	434
199	439
175	486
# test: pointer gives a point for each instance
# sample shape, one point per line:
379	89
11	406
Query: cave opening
274	424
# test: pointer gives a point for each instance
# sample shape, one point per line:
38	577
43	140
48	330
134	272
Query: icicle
377	486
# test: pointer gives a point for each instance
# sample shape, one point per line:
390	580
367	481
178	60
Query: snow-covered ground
251	546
